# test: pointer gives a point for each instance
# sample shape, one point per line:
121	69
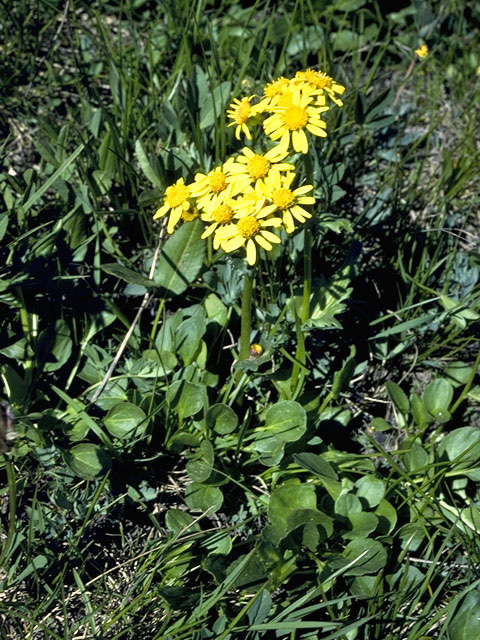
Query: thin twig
146	299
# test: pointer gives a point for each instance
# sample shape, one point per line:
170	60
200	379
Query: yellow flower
249	229
321	81
218	212
214	183
289	122
286	200
478	71
177	201
241	112
254	167
422	51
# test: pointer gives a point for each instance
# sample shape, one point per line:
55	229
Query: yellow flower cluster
250	195
422	51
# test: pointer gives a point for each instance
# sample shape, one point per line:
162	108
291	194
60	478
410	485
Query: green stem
153	333
12	508
307	250
246	328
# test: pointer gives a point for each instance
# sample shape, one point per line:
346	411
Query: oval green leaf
88	461
126	420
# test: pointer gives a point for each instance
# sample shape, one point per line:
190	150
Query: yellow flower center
283	198
294	117
317	79
176	195
258	166
222	214
216	181
248	226
276	87
242	113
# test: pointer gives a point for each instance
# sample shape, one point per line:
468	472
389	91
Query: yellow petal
161	212
263	243
300	142
232	244
288	222
317	131
271	237
251	252
304	189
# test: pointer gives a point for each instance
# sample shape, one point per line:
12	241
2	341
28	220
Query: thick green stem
246	317
12	508
307	251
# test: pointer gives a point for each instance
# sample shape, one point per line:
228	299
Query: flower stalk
246	326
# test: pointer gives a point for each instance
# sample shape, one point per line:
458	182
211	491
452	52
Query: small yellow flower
242	113
286	201
214	183
249	229
252	167
177	201
321	81
255	350
218	212
422	51
478	71
289	122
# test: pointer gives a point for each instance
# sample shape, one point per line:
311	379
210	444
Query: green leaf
346	504
370	489
128	275
177	520
52	179
260	608
416	457
397	396
301	517
181	258
328	301
387	517
361	525
216	310
55	346
371	556
203	497
437	396
145	165
222	419
189	335
201	468
3	224
186	398
411	536
420	414
126	420
214	104
285	500
315	464
286	420
88	461
465	622
461	446
458	373
342	378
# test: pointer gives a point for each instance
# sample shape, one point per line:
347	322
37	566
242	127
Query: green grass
152	492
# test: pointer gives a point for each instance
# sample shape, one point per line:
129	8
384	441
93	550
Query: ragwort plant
249	194
155	492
